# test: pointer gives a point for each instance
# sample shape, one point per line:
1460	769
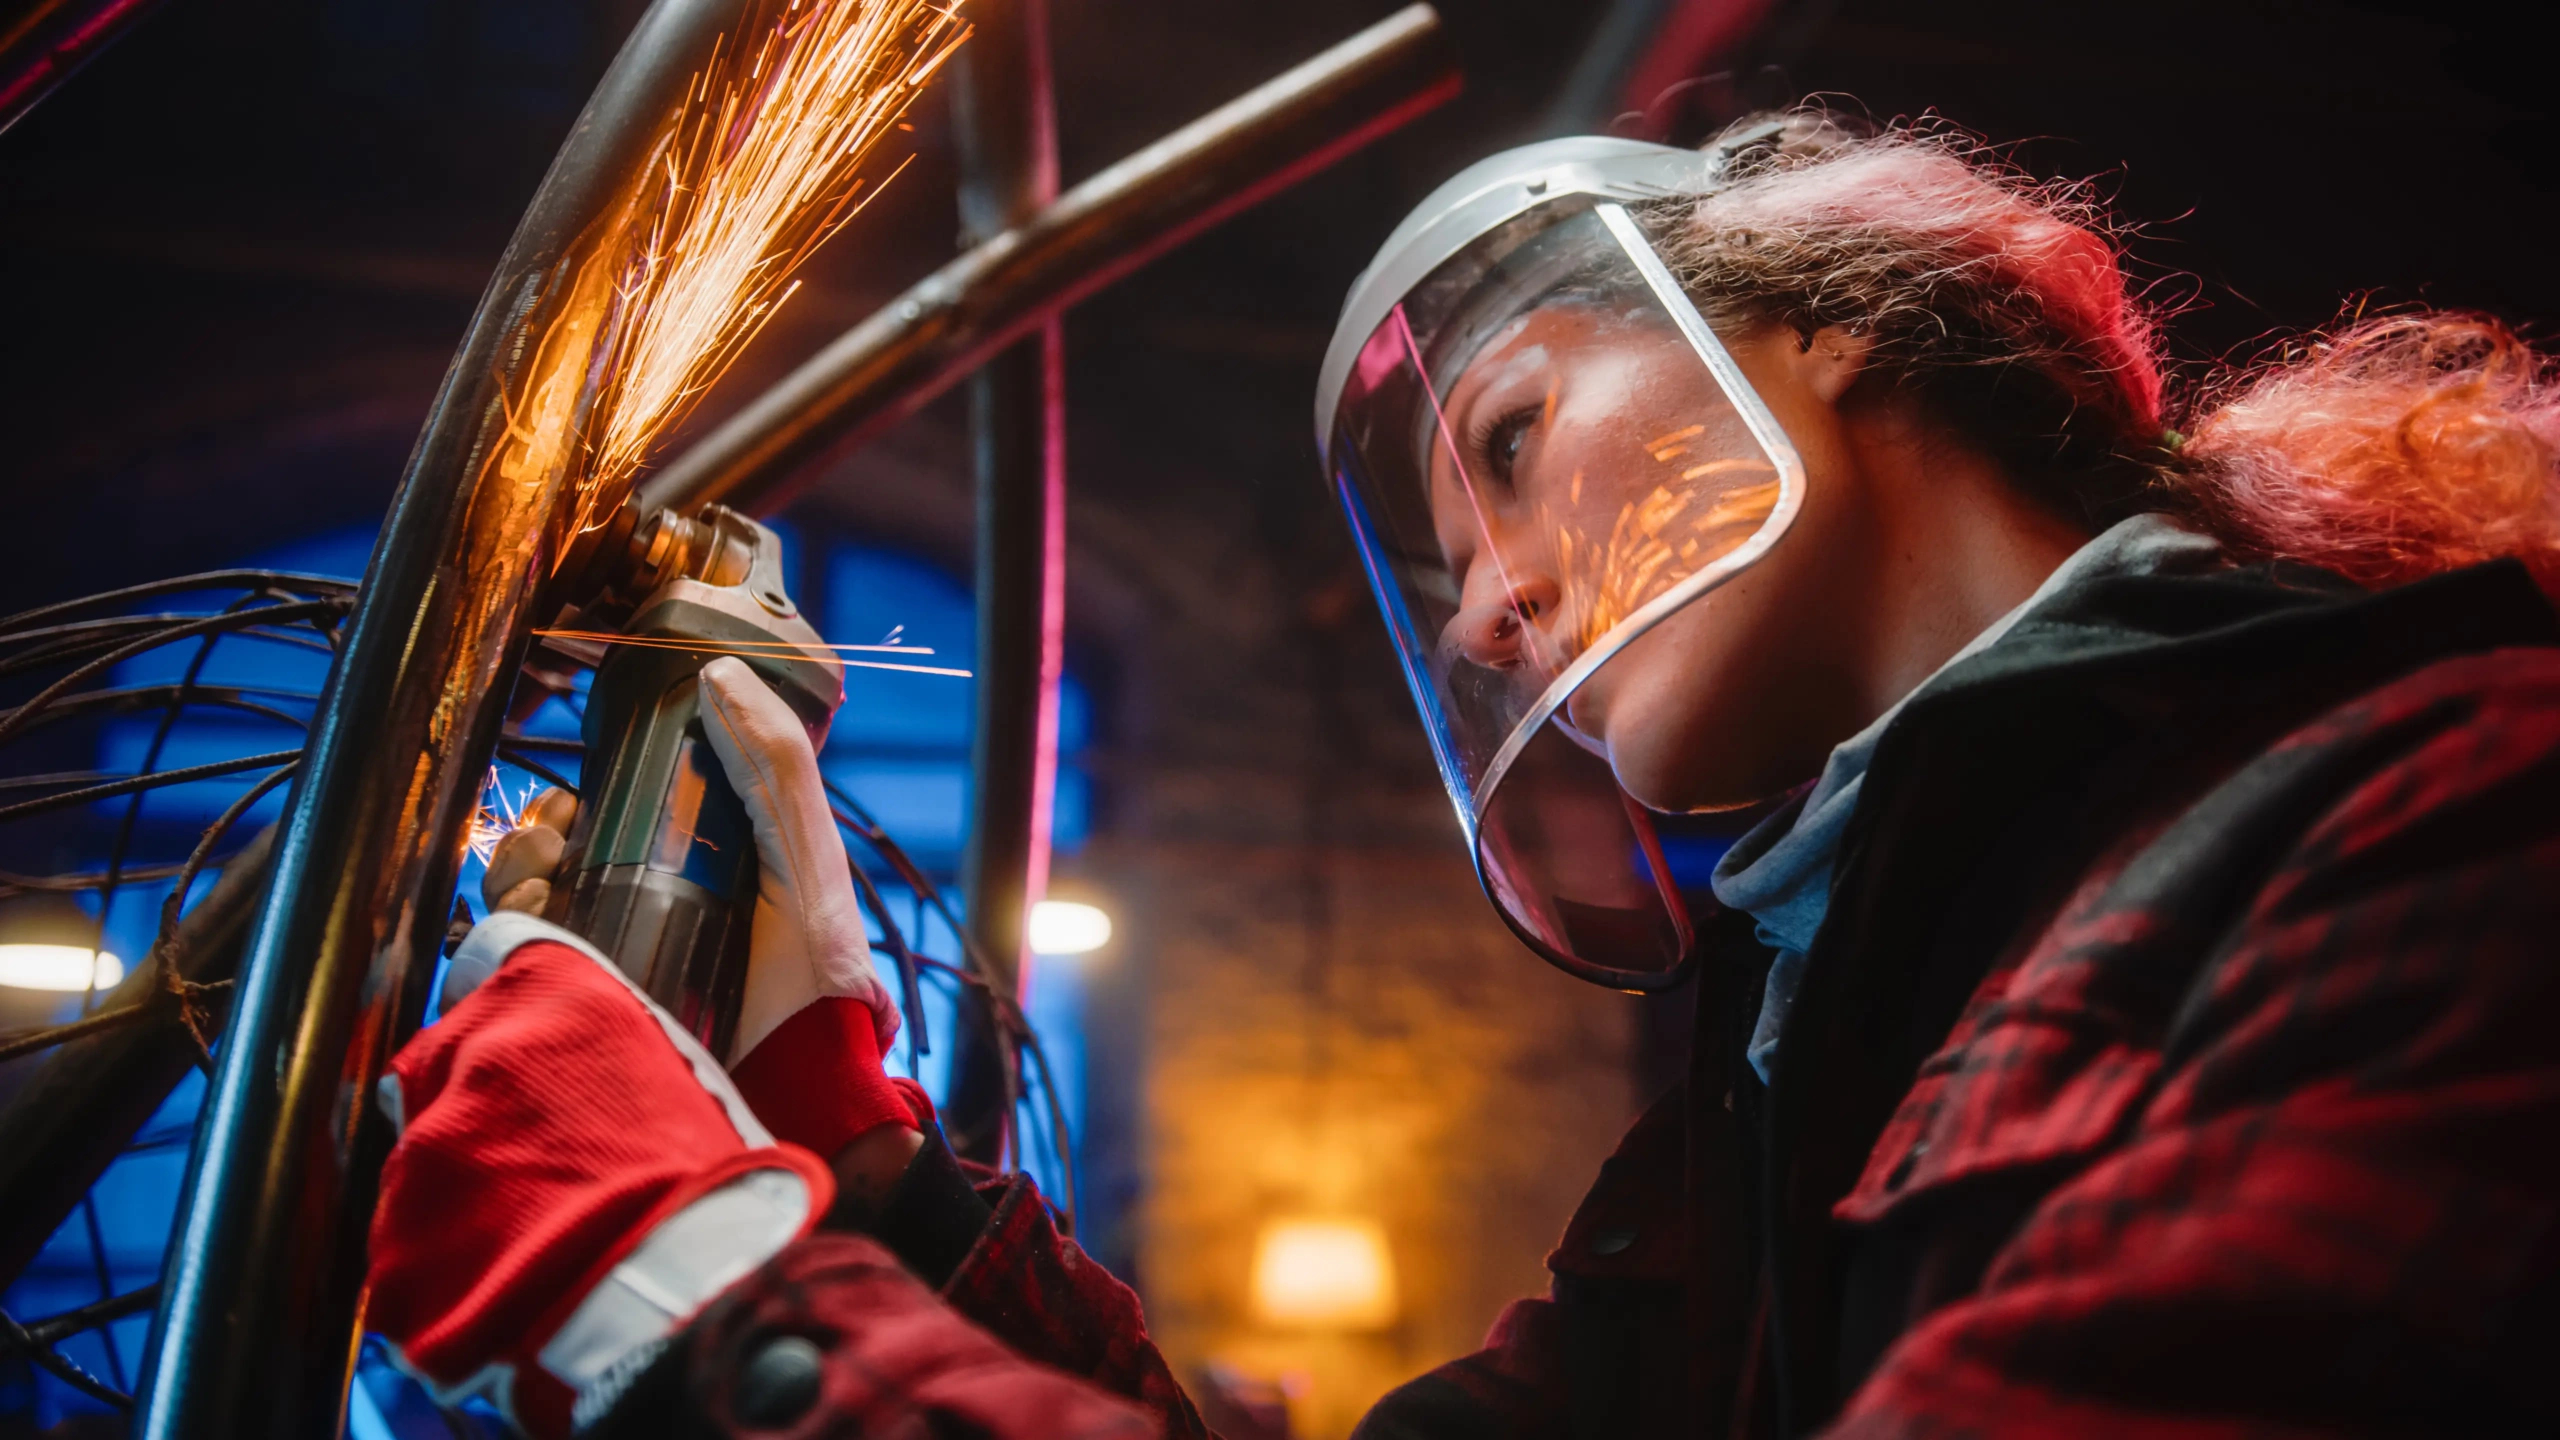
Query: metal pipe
892	364
255	1333
1007	131
45	42
67	1124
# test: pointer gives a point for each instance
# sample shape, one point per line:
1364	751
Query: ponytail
2389	449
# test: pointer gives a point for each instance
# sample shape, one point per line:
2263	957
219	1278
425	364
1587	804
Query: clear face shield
1544	452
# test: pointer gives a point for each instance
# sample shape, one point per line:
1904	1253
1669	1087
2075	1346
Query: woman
2134	1016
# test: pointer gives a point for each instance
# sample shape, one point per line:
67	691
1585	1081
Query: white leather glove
809	940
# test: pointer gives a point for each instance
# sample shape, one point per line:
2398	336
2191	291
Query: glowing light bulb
1332	1274
69	968
1063	927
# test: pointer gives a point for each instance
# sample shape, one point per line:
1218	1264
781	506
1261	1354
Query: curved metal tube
263	1286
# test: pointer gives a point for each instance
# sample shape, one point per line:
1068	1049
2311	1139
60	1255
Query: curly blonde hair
2387	449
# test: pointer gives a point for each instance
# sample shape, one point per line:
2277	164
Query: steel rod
149	780
1007	130
53	1329
911	350
255	1333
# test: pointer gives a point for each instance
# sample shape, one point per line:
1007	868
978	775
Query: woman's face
1601	465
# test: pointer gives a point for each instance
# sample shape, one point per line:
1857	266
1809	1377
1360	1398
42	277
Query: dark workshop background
239	249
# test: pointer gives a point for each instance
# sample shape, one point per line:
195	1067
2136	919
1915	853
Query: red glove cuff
817	1080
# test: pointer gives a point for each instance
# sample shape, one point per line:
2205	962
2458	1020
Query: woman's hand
575	1174
809	941
815	1019
809	938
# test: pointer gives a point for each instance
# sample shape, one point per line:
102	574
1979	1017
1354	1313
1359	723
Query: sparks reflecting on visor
1649	548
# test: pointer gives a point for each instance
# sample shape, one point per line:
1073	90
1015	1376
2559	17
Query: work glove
815	1019
575	1176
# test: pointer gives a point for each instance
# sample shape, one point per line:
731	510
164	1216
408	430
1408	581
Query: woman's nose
1496	629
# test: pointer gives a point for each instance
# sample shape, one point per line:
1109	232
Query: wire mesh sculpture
63	659
67	656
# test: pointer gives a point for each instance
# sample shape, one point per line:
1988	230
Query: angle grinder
660	868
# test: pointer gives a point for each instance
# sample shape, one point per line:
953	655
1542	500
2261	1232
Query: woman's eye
1503	442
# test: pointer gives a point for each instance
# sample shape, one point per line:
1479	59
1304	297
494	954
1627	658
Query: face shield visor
1543	453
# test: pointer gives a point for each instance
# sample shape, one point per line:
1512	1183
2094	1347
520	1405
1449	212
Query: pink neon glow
1042	188
67	54
1458	462
1053	637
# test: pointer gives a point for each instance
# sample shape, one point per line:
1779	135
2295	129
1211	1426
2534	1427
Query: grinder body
660	867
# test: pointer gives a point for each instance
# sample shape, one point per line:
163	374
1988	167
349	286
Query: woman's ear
1833	360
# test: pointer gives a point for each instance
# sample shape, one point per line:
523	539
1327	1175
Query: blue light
901	744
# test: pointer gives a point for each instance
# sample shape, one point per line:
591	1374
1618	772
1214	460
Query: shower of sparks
760	165
496	816
763	649
1656	542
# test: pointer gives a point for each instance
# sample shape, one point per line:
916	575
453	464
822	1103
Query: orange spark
1646	553
495	816
754	649
761	164
1721	467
